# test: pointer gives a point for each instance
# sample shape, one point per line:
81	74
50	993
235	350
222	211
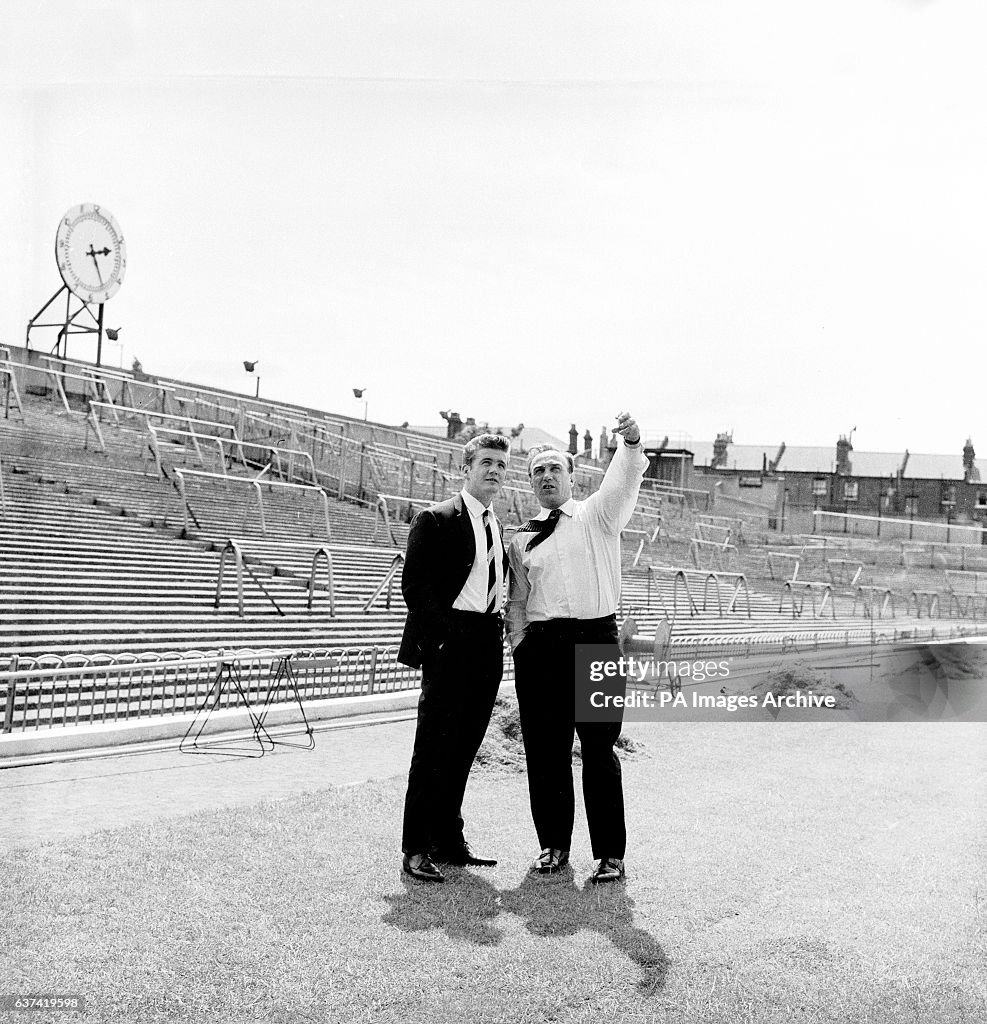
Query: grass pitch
776	872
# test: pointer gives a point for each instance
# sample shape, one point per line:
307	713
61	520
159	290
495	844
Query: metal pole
99	336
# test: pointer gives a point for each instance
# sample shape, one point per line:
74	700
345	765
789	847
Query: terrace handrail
870	596
330	580
647	540
954	576
256	484
382	510
275	452
148	413
975	529
387	582
842	564
515	502
48	372
679	576
231	547
772	555
928	599
807	588
740	582
109	373
718	549
10	384
155	448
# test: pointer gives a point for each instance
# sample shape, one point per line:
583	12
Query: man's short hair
474	444
540	449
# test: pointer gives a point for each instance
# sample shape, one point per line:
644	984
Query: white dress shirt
575	573
473	596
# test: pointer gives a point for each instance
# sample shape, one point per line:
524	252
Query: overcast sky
768	216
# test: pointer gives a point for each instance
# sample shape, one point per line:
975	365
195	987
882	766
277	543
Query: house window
949	494
981	499
911	506
820	487
887	499
850	490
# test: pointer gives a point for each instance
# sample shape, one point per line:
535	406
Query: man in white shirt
453	581
563	590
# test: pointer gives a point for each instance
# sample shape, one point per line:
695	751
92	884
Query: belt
570	625
478	618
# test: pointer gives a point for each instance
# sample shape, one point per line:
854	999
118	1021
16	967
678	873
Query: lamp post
358	393
250	366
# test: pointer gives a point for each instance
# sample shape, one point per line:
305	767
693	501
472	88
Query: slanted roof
818	459
941	467
802	458
748	458
876	463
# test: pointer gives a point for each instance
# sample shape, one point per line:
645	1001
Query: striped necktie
493	597
544	528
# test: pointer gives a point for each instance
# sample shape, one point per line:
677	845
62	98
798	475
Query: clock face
90	252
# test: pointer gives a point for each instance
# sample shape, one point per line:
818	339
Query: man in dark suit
453	585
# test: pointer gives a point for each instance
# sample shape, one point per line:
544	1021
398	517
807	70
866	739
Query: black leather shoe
460	854
550	861
610	869
420	866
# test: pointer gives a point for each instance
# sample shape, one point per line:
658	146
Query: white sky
769	215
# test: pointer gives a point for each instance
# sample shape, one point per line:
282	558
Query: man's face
550	479
485	474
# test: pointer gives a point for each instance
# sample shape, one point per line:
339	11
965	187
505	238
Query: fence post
372	681
8	714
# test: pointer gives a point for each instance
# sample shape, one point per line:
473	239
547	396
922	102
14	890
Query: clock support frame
71	324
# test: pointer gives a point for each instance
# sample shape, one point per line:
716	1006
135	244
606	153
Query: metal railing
257	486
232	548
330	580
147	686
9	385
680	581
387	583
382	511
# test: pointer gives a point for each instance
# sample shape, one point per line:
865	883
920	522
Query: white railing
257	486
382	512
387	583
825	521
126	687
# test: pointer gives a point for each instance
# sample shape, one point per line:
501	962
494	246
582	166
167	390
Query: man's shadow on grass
467	906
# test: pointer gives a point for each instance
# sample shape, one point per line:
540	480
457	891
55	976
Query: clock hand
97	252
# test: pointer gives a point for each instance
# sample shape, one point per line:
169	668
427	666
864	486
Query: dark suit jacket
440	555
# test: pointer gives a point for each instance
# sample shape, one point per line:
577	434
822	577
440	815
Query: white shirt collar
474	506
569	508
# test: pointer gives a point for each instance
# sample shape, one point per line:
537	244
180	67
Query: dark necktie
544	528
492	594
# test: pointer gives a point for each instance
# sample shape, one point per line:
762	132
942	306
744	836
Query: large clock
90	252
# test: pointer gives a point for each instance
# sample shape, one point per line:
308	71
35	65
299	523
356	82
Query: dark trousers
544	675
459	687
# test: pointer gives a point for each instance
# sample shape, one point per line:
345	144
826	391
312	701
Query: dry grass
776	872
503	749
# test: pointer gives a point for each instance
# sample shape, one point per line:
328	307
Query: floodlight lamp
249	366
